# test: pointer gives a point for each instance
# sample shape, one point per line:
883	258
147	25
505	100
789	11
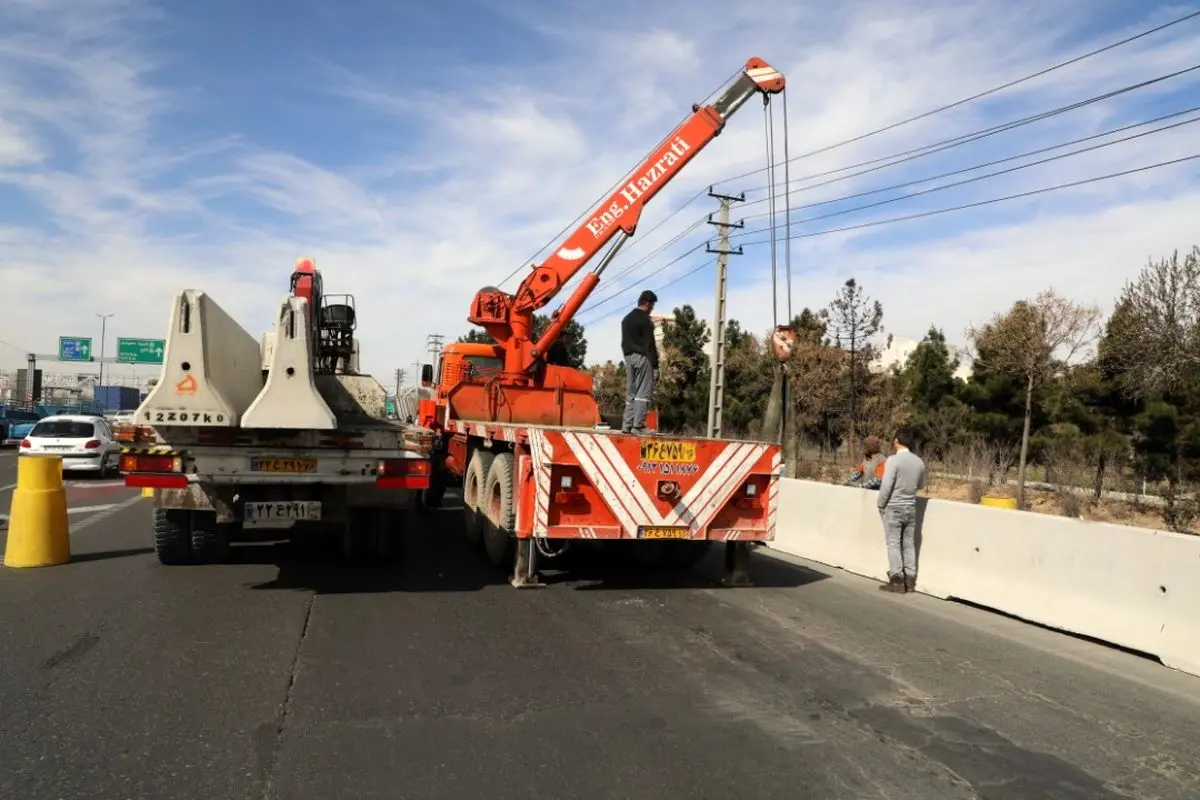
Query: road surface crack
285	710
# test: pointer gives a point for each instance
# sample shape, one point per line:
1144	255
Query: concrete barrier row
1132	587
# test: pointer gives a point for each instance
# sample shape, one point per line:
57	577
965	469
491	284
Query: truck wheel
210	539
500	512
172	537
474	508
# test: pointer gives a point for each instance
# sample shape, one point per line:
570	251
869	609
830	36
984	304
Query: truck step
290	399
212	368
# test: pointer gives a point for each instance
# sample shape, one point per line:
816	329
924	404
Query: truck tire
209	540
500	512
474	483
172	536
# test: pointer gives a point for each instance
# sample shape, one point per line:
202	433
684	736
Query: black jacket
637	335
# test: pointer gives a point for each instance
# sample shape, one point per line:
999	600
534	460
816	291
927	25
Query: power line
913	154
920	215
993	200
992	163
979	95
977	178
946	144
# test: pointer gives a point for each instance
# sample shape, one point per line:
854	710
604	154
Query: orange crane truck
522	436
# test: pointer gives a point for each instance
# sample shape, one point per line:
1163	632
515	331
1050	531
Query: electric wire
980	95
913	154
909	217
976	178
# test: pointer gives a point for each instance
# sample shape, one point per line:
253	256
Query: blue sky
421	152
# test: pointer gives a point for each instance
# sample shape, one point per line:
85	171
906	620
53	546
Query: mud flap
737	564
290	398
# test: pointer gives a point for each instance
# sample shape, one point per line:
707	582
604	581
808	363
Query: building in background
901	347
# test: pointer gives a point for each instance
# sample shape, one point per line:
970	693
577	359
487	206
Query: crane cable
773	211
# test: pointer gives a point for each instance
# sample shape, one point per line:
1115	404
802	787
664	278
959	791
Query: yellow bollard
999	502
147	491
38	534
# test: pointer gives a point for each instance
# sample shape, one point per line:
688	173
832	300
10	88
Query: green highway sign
140	351
74	348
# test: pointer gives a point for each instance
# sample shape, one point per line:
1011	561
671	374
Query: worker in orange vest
868	474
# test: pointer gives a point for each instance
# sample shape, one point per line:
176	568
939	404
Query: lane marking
80	509
6	488
105	514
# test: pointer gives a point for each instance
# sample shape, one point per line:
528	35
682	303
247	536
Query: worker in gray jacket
903	477
641	362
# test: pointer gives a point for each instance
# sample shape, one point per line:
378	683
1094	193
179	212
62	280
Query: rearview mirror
427	374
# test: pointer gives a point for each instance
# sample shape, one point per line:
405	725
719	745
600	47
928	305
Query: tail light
749	493
26	444
153	471
92	444
403	473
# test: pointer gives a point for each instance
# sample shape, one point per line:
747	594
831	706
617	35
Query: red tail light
403	473
93	444
25	443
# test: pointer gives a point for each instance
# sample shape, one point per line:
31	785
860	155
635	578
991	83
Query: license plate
664	532
671	452
281	512
298	465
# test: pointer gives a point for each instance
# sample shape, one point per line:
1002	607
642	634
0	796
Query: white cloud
474	167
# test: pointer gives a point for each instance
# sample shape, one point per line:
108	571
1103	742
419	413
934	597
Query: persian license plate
296	465
671	452
280	513
664	532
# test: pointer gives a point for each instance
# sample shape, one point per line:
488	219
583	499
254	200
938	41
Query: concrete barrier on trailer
212	368
1132	587
289	398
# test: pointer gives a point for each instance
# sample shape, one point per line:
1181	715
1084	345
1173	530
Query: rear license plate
280	513
670	452
297	465
664	532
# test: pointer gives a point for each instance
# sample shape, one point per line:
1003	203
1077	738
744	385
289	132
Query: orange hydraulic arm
509	318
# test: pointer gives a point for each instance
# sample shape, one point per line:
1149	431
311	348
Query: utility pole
716	385
103	325
399	381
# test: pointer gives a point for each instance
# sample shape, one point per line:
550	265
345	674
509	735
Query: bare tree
1031	342
854	319
1154	333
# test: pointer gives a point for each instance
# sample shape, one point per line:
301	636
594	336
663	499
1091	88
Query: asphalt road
280	677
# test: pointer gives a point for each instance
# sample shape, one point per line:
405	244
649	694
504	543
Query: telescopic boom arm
509	318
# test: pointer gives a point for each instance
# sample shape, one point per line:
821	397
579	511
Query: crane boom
509	318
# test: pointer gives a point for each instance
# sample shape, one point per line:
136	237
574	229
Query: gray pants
899	529
639	386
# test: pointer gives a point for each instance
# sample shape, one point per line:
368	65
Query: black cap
647	296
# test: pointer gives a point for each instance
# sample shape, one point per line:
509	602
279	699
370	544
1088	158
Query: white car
85	442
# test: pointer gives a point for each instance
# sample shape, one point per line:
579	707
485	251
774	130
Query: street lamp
103	325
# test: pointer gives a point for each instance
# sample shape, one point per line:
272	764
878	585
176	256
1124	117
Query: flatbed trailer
241	440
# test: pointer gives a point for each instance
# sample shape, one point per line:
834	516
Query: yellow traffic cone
38	534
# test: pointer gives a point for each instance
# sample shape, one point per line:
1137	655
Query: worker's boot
895	585
910	583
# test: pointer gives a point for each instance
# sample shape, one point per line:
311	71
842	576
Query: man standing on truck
641	362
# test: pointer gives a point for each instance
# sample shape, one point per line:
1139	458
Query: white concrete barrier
1132	587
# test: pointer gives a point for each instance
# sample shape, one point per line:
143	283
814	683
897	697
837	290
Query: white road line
82	509
6	488
106	513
